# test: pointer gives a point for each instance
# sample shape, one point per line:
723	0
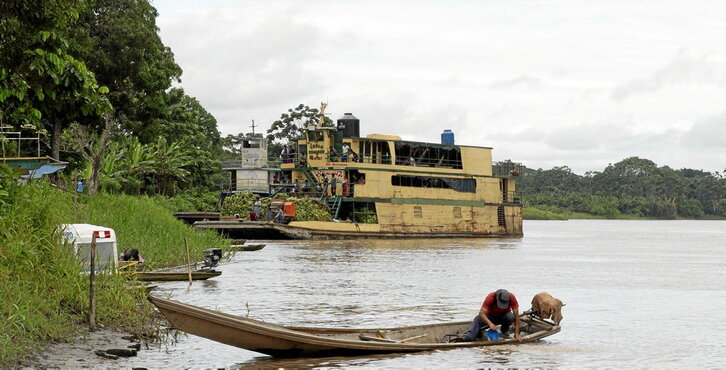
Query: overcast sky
546	83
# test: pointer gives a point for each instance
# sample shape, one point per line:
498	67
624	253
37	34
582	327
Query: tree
195	129
91	146
125	165
708	190
119	41
632	176
40	81
291	126
167	168
556	181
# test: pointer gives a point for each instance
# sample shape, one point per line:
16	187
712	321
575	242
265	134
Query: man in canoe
499	308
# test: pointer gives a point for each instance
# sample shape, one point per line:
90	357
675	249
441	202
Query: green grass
532	213
141	223
43	295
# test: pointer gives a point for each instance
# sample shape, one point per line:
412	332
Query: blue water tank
447	137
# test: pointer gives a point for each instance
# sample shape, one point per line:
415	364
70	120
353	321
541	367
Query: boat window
455	183
356	177
417	212
250	144
428	155
457	212
315	136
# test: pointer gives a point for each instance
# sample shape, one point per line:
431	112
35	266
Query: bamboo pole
92	286
189	263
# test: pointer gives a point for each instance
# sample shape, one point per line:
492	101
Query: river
637	293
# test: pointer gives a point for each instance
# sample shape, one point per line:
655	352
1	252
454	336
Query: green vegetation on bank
631	188
44	295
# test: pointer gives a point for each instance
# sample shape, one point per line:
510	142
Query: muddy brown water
638	294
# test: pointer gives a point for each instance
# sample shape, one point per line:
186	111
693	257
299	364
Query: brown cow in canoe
547	307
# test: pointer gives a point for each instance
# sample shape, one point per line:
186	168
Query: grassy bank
43	295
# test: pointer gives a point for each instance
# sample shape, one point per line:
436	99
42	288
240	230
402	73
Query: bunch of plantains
307	209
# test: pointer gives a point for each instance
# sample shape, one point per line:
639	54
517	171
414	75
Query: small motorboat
290	341
247	247
175	275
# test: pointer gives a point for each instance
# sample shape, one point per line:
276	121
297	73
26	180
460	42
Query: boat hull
332	231
247	248
280	341
176	276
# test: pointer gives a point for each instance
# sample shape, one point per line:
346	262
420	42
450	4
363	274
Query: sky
573	83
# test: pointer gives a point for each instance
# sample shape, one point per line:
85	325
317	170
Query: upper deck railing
505	169
12	144
271	162
499	169
300	161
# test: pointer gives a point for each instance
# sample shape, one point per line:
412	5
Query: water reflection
317	362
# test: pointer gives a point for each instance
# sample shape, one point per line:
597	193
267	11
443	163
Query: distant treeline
633	186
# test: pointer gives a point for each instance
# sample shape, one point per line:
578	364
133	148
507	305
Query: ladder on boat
334	205
500	216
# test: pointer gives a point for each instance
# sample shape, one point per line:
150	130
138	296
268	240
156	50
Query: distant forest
634	187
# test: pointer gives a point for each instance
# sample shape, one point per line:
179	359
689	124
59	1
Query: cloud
708	133
257	62
523	81
681	70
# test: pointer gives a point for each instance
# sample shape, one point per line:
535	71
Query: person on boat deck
499	308
256	209
346	149
131	254
333	185
325	185
279	215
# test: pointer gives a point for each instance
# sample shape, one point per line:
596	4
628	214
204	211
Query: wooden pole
92	286
189	263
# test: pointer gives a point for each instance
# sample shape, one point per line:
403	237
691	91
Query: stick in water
92	285
189	263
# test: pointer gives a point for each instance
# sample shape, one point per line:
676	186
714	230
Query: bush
690	208
190	201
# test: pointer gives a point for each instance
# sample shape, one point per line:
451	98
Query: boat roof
396	138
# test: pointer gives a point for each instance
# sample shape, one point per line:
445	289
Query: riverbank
91	349
555	213
45	296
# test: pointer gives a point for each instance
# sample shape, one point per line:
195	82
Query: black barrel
349	125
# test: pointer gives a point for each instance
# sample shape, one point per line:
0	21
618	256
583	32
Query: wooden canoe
250	247
281	341
175	275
